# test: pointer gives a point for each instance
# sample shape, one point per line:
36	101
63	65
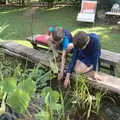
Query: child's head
58	34
81	39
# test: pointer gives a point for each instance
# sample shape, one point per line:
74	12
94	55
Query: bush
2	1
106	4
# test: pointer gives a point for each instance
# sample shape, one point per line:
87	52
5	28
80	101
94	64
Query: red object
43	39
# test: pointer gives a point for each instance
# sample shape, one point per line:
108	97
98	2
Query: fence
54	4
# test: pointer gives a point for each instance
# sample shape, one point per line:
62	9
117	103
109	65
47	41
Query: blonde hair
80	39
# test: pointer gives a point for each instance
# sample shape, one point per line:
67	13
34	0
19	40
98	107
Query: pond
109	107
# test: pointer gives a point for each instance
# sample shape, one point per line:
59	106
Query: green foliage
3	106
8	66
51	97
53	106
98	97
43	115
28	86
50	0
60	0
19	100
41	76
20	84
81	100
53	62
20	27
3	27
2	1
47	0
54	67
8	85
17	94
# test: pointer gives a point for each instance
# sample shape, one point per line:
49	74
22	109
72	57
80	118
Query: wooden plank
36	56
110	57
16	55
107	82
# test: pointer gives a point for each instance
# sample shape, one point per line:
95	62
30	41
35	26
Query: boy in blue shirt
62	40
86	54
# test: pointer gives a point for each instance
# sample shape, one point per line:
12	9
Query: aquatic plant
81	100
53	108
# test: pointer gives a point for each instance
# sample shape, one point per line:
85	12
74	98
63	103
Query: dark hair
58	34
80	39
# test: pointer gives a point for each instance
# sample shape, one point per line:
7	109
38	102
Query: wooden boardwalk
35	56
42	56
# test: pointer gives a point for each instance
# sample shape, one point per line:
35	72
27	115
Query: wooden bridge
42	56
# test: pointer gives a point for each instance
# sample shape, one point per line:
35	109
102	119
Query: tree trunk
28	2
23	2
50	4
6	2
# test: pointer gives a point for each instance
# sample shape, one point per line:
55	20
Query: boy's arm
67	80
62	64
73	60
70	67
64	53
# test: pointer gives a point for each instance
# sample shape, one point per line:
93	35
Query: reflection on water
110	111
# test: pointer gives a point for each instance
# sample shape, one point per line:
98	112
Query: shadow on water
110	109
110	112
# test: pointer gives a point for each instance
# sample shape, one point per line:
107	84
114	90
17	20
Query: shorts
87	61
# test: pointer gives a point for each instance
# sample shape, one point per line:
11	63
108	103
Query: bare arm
67	80
63	60
64	53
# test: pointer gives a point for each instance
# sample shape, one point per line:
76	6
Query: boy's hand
66	82
60	75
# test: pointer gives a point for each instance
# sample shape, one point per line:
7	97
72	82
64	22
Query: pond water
110	111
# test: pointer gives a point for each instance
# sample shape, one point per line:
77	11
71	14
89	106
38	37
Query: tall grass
81	100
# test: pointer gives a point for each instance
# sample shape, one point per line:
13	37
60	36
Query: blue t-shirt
64	43
89	56
66	40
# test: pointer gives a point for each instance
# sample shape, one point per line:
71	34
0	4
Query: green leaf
1	94
3	105
46	94
28	86
45	90
56	107
43	115
19	100
8	85
54	67
42	79
51	97
54	96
